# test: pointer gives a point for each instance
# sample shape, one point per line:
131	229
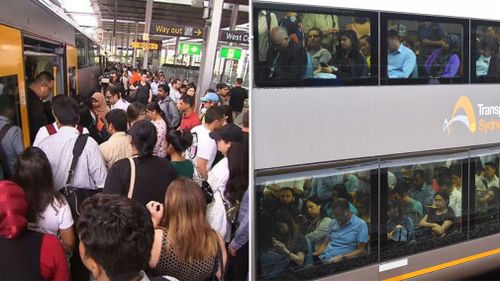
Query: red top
189	121
53	264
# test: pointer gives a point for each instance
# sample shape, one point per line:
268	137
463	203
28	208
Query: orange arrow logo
198	32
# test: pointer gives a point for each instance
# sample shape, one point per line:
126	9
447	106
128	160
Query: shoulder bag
132	178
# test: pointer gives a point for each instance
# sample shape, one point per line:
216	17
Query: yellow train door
71	68
13	108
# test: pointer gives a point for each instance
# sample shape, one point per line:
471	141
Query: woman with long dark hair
48	210
185	246
318	224
348	61
177	143
445	61
157	117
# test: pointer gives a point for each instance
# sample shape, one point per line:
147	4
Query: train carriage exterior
34	39
370	133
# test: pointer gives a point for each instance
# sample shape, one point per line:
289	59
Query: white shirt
264	33
154	88
216	212
203	146
121	104
456	202
125	82
43	133
90	171
57	216
174	95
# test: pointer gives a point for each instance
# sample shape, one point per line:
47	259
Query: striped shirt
90	172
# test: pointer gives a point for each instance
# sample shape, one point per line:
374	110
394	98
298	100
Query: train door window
423	50
423	203
485	202
307	46
484	53
313	223
12	142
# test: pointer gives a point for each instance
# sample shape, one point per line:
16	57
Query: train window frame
474	48
410	248
374	28
323	270
384	20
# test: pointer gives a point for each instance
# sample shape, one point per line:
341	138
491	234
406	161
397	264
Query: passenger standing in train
285	63
218	178
157	117
115	98
38	90
348	236
455	196
117	226
365	46
329	26
153	174
203	150
177	143
90	172
360	25
168	106
25	254
266	22
143	93
445	62
490	174
118	145
189	117
401	61
348	61
185	246
11	144
431	36
48	210
421	191
439	220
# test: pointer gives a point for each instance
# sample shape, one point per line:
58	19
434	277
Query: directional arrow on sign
198	32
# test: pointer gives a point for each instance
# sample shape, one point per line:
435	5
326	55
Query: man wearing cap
209	100
203	150
218	177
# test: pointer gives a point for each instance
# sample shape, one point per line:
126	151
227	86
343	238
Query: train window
307	47
485	193
422	204
315	223
81	47
485	48
12	143
423	50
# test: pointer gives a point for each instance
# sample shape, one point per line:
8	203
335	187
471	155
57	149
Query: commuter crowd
127	182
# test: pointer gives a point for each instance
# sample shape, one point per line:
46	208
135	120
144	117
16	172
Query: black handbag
207	192
74	195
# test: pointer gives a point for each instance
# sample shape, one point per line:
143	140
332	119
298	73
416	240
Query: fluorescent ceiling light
78	6
85	20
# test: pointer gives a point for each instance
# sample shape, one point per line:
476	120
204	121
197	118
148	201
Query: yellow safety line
444	265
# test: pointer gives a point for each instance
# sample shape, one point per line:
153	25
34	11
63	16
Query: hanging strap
77	151
132	177
3	154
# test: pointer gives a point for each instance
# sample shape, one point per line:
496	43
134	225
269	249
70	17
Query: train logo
468	119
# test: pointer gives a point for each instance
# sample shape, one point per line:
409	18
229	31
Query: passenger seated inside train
317	224
408	206
401	61
439	220
445	61
455	196
489	203
488	63
347	238
399	227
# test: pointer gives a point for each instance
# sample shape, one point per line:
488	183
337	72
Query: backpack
293	25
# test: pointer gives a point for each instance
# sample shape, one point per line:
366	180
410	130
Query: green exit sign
230	53
189	49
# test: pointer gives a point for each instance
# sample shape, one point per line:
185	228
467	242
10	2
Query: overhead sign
144	45
234	36
176	30
190	49
230	53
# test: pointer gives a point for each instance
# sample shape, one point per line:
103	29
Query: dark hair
134	110
441	61
214	113
117	90
393	34
165	87
240	80
490	43
419	172
143	135
360	20
180	141
111	223
221	86
342	192
340	203
444	195
284	216
490	164
155	106
315	199
7	102
238	159
445	181
456	170
354	52
33	173
227	111
183	87
320	33
176	80
189	86
118	118
401	188
44	76
367	38
187	99
66	109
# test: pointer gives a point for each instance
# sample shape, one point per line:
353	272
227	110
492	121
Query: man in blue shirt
421	191
348	235
401	61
